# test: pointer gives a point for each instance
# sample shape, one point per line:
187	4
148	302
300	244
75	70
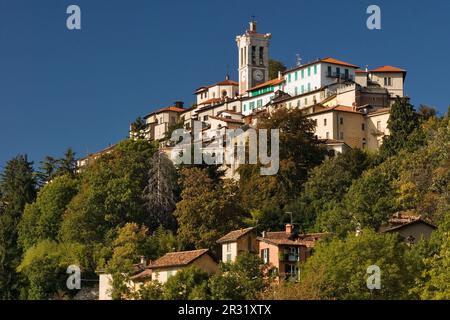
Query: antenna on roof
227	76
298	60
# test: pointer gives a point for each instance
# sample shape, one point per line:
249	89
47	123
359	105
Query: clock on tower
253	58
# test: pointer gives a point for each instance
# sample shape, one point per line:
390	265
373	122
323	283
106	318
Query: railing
340	75
377	132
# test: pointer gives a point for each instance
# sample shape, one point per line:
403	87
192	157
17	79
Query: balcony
339	75
377	132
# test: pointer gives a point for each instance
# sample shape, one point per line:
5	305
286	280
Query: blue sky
81	89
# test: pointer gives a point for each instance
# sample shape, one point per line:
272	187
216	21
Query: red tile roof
166	109
173	259
227	83
266	84
339	62
147	273
227	119
211	101
283	238
388	69
234	235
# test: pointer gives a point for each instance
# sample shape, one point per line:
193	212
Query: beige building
159	121
411	228
237	242
169	264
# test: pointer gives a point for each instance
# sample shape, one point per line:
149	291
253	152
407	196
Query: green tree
403	121
68	164
275	66
327	183
42	219
44	266
241	280
47	169
17	188
188	284
110	193
138	128
300	151
207	210
345	263
128	246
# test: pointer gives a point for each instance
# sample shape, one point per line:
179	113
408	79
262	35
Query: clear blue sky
81	89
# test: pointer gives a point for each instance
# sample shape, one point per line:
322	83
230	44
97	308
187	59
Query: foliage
187	284
300	151
275	66
17	188
42	219
207	210
241	280
345	263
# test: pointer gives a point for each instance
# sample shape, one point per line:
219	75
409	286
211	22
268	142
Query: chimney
279	75
289	228
263	234
179	104
143	261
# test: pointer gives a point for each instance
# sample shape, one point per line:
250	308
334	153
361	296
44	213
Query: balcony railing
377	132
340	75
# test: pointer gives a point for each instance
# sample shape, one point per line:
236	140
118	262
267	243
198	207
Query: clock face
258	75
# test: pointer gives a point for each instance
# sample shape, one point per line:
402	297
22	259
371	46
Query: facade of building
237	242
411	227
169	264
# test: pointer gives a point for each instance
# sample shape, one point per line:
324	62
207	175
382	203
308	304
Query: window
296	76
303	89
294	254
341	135
309	87
228	247
388	81
306	101
259	103
378	125
224	93
329	71
205	118
245	107
328	135
338	71
315	69
325	122
253	55
261	55
252	105
309	71
228	257
265	255
303	73
363	126
291	271
296	91
289	77
341	120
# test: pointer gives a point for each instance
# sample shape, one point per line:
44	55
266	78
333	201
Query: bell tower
253	58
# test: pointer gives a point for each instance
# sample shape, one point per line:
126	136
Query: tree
188	284
403	121
207	210
138	128
42	219
161	193
327	183
110	193
128	246
68	164
17	188
345	263
240	280
299	152
275	67
44	266
47	169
